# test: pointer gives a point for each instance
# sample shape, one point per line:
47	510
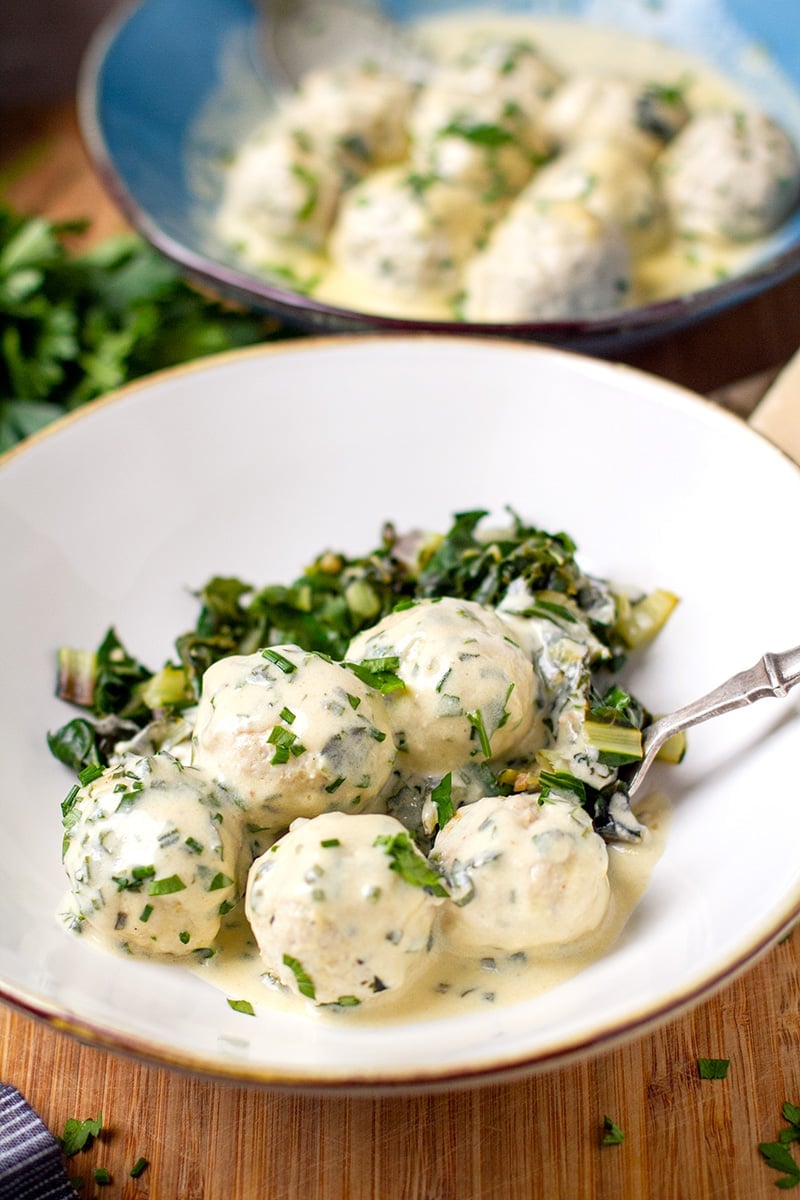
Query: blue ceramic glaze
158	68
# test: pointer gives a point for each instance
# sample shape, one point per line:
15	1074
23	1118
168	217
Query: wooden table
685	1138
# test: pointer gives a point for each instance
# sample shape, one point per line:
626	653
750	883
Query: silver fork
773	675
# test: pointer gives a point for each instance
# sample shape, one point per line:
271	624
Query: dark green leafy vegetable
74	326
337	597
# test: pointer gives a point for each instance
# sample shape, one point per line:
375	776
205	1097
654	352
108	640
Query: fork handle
773	675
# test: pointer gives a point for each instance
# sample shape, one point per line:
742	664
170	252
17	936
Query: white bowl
251	463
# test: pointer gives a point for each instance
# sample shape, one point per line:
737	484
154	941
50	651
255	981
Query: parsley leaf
77	325
613	1135
79	1135
410	864
713	1068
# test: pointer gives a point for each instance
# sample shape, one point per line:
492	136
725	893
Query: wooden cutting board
685	1138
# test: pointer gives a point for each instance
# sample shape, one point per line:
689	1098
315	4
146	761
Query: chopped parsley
79	1135
410	864
242	1006
305	985
777	1154
442	797
612	1135
713	1068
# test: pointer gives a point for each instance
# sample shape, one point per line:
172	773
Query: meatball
292	734
281	187
342	907
546	262
152	856
731	175
478	141
531	874
514	71
469	690
612	184
406	235
359	114
644	116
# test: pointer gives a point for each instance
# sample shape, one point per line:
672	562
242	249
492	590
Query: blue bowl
160	70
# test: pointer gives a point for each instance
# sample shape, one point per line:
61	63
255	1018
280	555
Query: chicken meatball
342	908
644	116
613	184
731	175
469	691
292	734
406	235
360	114
281	187
548	261
514	71
530	874
478	141
152	856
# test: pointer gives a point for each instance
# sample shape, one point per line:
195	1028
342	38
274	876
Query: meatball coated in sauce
152	856
477	141
547	261
470	691
613	184
292	734
283	188
361	114
644	117
334	918
731	176
535	875
404	235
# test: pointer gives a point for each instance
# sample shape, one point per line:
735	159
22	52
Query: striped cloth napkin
31	1165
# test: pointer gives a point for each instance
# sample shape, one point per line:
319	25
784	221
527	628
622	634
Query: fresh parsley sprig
75	326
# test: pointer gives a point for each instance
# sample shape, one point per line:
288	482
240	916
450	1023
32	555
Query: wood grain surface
685	1138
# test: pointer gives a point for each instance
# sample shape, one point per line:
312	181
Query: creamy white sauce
678	266
452	985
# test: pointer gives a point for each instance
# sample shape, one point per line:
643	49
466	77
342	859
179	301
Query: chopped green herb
613	1135
220	880
242	1006
713	1068
442	797
378	673
330	842
79	1135
184	937
280	661
138	1168
165	887
102	1176
305	985
476	721
777	1155
410	864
